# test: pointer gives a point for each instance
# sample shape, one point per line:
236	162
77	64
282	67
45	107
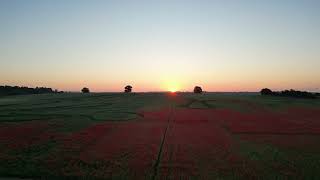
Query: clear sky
161	45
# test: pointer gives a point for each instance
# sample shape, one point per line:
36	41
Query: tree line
17	90
289	93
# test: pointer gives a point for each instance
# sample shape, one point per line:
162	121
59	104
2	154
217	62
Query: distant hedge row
16	90
290	93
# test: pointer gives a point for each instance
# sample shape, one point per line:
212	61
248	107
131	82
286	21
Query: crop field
159	136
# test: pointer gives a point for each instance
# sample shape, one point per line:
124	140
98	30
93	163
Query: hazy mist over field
160	45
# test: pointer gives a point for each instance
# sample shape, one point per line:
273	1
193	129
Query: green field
159	136
77	110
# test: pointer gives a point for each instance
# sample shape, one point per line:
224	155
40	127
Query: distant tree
266	91
85	90
128	89
197	89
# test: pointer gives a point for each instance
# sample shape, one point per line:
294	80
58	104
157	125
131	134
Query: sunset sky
161	45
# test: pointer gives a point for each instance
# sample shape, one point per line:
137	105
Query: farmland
159	136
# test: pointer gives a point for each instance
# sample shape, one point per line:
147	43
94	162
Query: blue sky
161	45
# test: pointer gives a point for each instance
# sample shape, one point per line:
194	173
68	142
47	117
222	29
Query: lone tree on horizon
85	90
128	89
266	91
197	89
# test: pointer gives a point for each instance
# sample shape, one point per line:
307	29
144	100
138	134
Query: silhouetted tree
266	91
128	89
197	89
85	90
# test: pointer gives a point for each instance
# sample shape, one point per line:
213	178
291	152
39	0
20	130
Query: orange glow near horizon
169	82
169	86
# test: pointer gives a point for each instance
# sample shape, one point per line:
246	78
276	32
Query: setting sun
172	86
172	90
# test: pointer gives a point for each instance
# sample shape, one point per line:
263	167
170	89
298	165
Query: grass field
159	136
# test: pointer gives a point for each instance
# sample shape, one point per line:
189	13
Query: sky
220	45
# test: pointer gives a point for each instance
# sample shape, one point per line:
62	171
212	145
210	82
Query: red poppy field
159	136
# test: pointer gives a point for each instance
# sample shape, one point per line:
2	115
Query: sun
172	90
172	86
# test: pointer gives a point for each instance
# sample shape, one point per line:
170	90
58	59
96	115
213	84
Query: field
159	136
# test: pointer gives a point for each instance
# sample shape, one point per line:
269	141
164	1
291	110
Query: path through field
175	143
